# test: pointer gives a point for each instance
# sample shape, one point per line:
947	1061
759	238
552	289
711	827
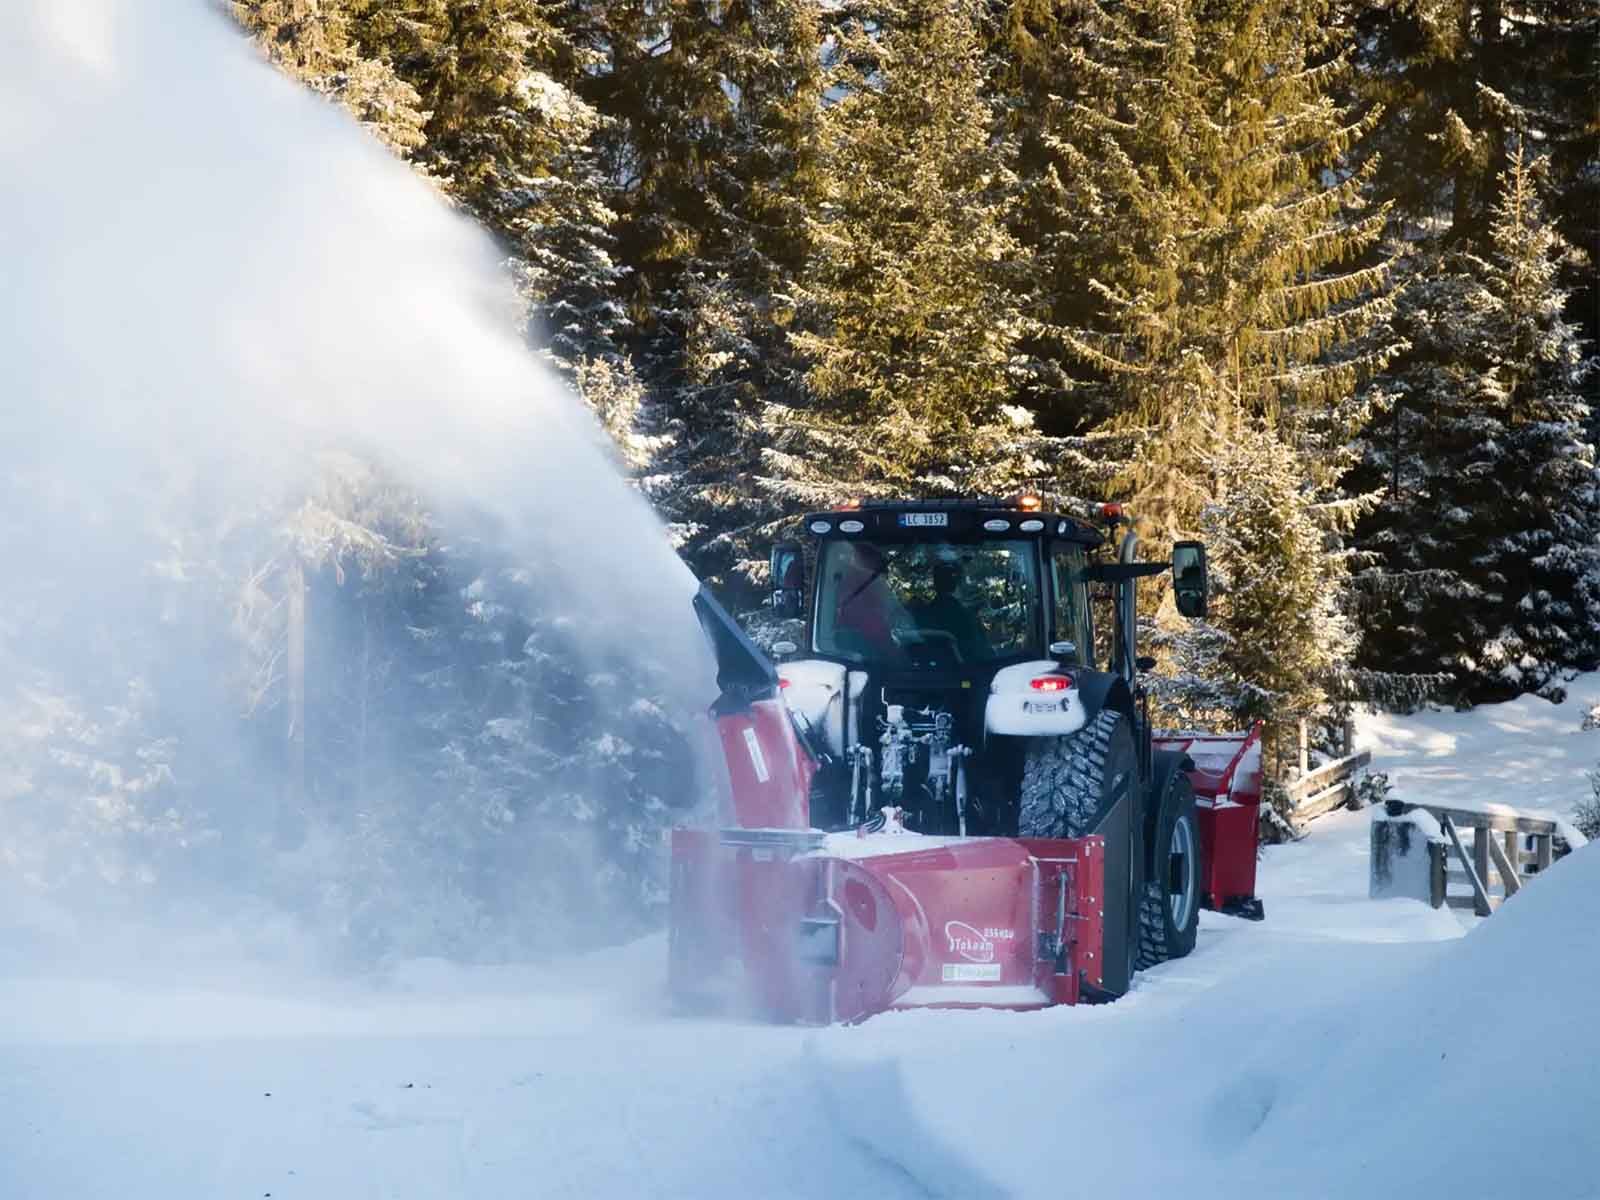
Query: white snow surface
1527	754
1342	1047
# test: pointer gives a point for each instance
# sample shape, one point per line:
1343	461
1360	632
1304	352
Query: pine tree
1035	78
908	308
1464	81
1490	565
1211	269
1461	80
1277	644
313	41
508	137
710	114
1222	248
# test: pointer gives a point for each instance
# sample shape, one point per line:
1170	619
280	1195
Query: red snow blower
943	800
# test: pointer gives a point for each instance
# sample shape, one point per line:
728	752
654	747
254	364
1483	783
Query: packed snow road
1342	1047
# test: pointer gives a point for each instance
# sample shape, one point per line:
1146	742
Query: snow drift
1308	1069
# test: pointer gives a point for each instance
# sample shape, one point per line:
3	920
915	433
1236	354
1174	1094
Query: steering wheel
911	636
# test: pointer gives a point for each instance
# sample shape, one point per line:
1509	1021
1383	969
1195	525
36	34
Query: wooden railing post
1544	848
1475	875
1480	863
1504	862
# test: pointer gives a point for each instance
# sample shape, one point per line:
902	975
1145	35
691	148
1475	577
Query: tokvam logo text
973	944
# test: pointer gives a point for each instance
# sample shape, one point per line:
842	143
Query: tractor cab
921	613
949	589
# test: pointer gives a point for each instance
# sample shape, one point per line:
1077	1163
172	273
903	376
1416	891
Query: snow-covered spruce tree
1277	644
314	41
468	787
1220	248
1490	568
1458	81
534	804
1227	290
481	105
1036	78
717	344
507	136
908	306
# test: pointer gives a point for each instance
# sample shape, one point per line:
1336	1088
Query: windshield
927	603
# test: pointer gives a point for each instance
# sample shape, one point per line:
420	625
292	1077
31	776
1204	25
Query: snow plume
242	346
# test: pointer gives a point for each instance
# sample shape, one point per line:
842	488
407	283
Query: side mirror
1189	578
788	580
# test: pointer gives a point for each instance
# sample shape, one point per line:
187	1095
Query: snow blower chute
943	800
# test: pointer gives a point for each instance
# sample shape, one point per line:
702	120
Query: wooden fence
1326	788
1506	849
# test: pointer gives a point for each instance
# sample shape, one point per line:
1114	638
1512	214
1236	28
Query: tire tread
1063	780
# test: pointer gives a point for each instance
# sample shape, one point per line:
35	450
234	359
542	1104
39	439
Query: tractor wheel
1069	782
1169	909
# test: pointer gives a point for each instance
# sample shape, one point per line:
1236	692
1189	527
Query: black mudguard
1121	829
1099	689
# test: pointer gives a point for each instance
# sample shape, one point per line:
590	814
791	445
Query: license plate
923	520
1041	706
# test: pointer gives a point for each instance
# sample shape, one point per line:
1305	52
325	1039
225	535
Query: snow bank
1319	1070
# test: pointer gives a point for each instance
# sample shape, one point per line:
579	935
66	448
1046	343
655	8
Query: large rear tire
1169	908
1070	782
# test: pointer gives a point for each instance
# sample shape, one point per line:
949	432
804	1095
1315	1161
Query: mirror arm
1121	572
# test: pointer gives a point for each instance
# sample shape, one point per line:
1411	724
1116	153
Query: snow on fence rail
1326	788
1413	845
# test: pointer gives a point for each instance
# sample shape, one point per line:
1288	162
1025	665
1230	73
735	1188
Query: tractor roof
960	520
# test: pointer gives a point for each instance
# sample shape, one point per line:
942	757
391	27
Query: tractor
942	796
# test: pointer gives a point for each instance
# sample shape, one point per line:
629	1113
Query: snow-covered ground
1343	1047
1527	753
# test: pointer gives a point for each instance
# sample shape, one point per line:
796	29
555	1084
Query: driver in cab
946	614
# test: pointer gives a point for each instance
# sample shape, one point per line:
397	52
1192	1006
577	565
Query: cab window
927	603
1070	618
